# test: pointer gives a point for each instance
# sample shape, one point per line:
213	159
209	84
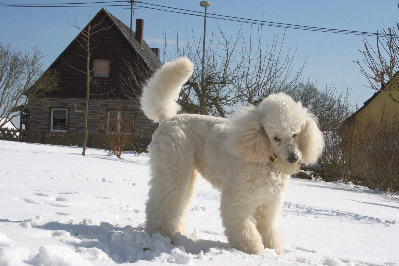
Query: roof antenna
131	15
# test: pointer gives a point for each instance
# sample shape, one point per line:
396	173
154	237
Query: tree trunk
86	112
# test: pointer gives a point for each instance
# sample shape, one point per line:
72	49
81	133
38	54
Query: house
120	62
378	105
371	142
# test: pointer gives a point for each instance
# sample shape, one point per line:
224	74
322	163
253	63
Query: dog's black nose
292	158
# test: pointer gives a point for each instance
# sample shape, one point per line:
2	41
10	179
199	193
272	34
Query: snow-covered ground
60	208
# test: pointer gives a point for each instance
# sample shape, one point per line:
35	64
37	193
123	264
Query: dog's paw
250	248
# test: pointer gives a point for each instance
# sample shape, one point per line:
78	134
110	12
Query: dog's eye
294	135
277	139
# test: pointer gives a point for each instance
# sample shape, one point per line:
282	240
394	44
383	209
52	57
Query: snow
60	208
8	124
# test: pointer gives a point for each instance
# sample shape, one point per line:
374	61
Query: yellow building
371	142
378	106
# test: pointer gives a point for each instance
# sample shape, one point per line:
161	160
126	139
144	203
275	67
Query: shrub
371	152
118	129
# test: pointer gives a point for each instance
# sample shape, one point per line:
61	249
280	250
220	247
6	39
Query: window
59	120
24	119
101	68
120	122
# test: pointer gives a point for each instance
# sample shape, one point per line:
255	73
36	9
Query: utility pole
205	4
131	15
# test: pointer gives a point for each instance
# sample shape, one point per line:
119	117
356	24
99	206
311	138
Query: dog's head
278	127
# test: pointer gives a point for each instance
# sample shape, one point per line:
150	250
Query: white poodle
236	156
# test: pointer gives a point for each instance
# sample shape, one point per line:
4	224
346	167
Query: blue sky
329	57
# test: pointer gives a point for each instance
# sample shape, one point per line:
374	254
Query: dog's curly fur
232	154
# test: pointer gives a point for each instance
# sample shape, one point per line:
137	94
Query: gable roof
351	118
145	52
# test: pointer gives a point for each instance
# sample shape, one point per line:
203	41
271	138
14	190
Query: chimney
139	31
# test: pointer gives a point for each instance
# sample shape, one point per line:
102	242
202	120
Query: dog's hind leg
187	202
172	186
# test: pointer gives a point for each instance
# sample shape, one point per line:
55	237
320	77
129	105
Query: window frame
52	119
118	118
107	64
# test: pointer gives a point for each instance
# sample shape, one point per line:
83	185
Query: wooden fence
137	143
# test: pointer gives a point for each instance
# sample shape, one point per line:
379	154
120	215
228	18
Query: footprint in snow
68	193
28	223
31	201
60	233
198	209
102	197
57	205
61	199
63	213
41	194
305	249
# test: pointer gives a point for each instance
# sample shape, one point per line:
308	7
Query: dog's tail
160	94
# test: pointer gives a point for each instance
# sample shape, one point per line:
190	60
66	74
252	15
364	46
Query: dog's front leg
240	228
267	223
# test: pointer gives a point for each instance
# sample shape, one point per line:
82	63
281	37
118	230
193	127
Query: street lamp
205	4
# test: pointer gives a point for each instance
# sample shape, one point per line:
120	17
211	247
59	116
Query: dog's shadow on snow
127	241
197	246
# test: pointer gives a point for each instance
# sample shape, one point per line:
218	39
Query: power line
68	4
140	4
256	21
72	4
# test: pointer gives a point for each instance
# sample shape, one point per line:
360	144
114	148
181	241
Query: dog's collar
273	158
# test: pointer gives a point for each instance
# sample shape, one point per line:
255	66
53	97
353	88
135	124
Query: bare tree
84	40
380	65
21	80
265	70
118	128
235	71
132	78
330	107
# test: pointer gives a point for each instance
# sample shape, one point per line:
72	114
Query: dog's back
194	135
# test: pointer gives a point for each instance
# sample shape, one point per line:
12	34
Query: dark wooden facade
131	61
40	111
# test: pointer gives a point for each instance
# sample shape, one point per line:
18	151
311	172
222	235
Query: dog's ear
247	139
310	140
